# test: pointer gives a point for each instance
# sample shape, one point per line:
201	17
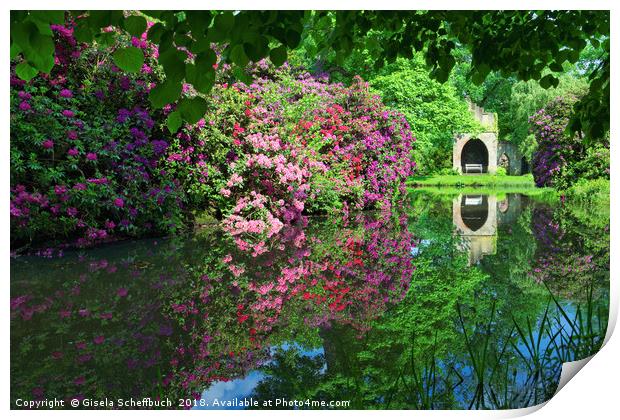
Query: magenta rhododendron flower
24	106
91	156
65	93
68	113
73	152
48	144
119	202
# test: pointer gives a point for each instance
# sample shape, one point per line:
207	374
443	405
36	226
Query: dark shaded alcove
474	211
475	152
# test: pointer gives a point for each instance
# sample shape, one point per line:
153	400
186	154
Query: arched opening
474	157
474	211
504	162
525	166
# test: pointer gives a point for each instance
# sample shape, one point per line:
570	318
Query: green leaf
292	38
135	25
223	22
155	32
174	121
192	109
25	71
206	60
41	52
173	62
102	18
548	81
49	16
165	93
106	39
241	75
83	33
556	67
129	59
237	55
15	50
202	79
278	55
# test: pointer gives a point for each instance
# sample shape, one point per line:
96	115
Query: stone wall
487	119
511	152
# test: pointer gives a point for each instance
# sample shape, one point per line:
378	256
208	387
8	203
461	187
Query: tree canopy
531	45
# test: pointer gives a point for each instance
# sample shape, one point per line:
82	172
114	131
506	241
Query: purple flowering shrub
85	151
561	159
165	318
91	161
288	145
569	257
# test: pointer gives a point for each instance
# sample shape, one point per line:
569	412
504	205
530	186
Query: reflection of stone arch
464	209
474	211
504	162
479	212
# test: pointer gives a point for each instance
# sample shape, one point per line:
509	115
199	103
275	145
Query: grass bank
482	180
546	195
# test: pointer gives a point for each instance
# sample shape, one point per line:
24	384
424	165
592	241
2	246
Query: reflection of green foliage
462	336
487	180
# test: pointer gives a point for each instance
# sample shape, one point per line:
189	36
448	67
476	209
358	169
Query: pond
469	301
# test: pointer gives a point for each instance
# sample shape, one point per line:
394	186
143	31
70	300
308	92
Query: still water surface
451	302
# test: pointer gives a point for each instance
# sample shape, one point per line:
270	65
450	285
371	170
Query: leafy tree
433	110
527	44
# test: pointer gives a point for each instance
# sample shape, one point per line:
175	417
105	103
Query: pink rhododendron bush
92	161
288	145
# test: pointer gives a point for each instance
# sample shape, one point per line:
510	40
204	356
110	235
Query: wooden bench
469	167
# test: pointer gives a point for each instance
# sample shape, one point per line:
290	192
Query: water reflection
383	310
476	218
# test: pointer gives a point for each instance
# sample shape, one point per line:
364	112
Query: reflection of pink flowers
122	292
99	339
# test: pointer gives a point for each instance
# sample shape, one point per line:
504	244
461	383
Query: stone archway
478	150
475	152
